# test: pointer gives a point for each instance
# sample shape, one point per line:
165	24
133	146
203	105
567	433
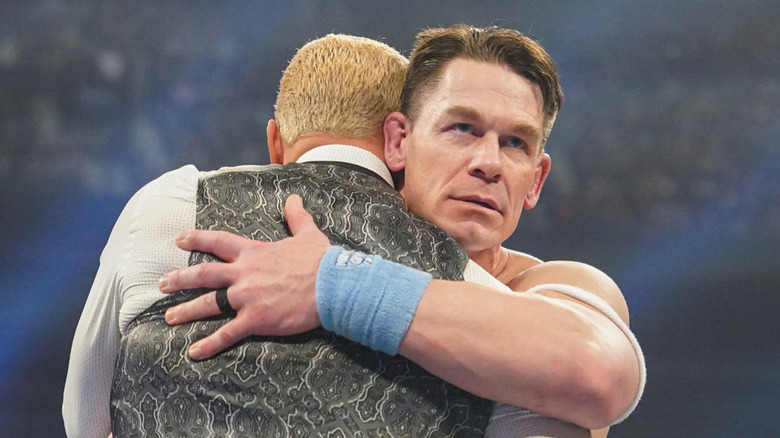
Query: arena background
665	168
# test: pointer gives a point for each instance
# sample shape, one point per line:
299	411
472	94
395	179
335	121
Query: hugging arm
548	353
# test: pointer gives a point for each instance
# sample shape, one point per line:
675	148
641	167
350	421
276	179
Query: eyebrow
464	112
471	114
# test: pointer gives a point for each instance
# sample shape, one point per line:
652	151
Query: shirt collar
348	154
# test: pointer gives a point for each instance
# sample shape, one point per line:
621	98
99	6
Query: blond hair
339	85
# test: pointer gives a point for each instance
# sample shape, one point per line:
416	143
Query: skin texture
471	161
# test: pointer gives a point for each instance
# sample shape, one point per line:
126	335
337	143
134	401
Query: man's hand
271	285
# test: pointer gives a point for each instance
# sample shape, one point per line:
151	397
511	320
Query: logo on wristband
352	258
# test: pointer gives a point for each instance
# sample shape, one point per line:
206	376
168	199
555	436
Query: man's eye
462	127
515	142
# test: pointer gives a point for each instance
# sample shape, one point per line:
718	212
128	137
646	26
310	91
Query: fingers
206	306
222	244
233	331
298	219
211	275
201	307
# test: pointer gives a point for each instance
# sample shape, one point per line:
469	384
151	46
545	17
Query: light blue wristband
367	299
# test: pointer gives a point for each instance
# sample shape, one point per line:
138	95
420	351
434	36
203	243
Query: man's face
472	158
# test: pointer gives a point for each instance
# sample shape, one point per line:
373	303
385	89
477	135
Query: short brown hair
433	48
339	85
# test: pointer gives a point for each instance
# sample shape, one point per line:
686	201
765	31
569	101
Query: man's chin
473	238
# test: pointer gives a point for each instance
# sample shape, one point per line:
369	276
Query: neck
375	145
493	260
504	264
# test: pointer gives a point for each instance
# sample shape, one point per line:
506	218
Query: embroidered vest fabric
312	384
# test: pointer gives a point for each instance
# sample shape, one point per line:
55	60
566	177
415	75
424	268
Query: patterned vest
312	384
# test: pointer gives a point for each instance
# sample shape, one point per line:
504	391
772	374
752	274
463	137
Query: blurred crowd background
665	168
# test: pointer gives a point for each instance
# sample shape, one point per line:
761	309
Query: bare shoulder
576	274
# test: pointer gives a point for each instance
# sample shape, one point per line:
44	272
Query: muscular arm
555	356
548	353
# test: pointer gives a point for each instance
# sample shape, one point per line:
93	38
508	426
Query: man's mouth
482	202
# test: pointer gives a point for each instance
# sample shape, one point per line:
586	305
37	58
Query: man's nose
485	161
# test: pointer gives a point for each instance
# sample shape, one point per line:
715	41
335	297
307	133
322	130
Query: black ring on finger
224	304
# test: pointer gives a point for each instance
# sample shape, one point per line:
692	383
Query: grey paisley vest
314	384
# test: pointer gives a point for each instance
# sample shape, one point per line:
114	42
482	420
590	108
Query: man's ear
396	129
275	146
540	175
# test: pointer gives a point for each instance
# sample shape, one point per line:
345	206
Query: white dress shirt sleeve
139	250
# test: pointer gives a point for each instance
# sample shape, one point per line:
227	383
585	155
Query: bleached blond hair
339	85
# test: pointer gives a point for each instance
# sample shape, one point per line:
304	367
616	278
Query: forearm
555	357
